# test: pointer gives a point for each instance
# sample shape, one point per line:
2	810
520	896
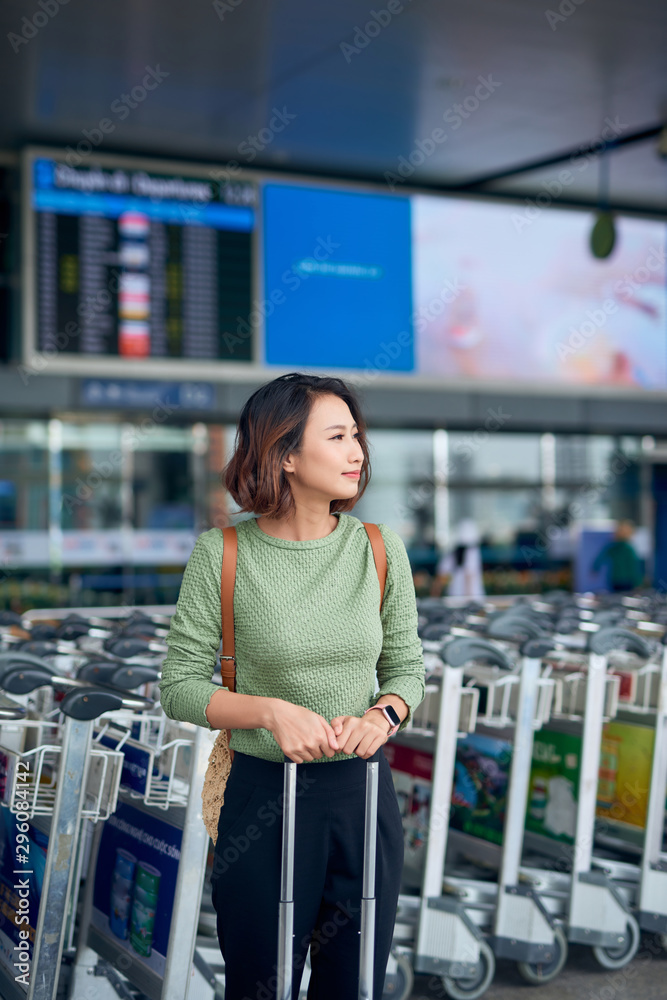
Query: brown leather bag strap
227	581
379	555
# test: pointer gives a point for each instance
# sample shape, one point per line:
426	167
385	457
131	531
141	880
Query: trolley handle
118	675
537	648
44	647
129	678
73	629
142	628
90	702
22	678
514	629
613	637
459	652
98	671
9	618
16	658
128	648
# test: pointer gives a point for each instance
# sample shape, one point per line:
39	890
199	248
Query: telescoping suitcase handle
286	904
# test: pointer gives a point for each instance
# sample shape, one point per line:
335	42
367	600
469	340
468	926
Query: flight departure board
135	263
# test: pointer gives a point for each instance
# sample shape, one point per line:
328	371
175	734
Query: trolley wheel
617	957
398	985
473	986
542	972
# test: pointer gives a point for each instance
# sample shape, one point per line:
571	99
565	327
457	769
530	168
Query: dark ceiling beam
593	148
427	185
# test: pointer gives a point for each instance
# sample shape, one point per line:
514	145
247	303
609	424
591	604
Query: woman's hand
362	736
302	735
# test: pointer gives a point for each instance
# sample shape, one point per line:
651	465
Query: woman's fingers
331	735
367	746
337	724
365	738
343	724
348	734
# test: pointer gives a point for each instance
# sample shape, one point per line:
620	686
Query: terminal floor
581	979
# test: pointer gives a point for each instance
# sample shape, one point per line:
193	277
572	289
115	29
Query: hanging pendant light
603	234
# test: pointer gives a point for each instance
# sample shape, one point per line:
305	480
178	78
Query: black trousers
328	870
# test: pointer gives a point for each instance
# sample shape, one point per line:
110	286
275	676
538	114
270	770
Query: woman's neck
303	526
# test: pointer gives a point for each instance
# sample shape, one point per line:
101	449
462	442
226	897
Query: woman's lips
352	475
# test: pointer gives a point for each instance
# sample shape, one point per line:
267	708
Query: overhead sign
130	394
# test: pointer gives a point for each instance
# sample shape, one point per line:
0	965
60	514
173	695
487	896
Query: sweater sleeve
400	669
194	635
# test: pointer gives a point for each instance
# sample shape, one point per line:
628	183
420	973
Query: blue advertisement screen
338	288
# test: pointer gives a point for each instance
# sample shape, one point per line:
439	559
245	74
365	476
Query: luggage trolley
67	781
643	885
514	922
163	765
652	911
446	933
448	710
587	902
143	893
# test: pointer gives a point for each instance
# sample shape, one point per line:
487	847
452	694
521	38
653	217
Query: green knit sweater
308	628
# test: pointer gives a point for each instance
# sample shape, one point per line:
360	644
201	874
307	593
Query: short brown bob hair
271	426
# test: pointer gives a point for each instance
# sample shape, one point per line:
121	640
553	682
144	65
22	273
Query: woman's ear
288	463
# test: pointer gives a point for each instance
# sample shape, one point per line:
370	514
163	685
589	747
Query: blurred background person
620	556
461	569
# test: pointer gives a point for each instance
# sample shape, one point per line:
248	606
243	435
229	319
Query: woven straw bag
221	757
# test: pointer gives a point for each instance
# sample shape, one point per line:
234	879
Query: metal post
81	844
591	739
443	778
190	879
521	926
517	793
286	905
580	915
60	859
367	942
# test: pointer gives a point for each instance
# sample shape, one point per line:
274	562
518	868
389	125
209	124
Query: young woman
310	639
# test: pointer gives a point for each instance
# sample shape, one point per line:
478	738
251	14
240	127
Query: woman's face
330	450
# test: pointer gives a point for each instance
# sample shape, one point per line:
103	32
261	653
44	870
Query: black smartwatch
390	714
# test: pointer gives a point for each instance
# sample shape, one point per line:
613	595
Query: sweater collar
285	543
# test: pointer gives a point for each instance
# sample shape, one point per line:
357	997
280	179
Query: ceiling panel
362	97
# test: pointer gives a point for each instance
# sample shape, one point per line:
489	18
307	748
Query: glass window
24	475
499	515
92	463
163	476
485	455
401	491
587	458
